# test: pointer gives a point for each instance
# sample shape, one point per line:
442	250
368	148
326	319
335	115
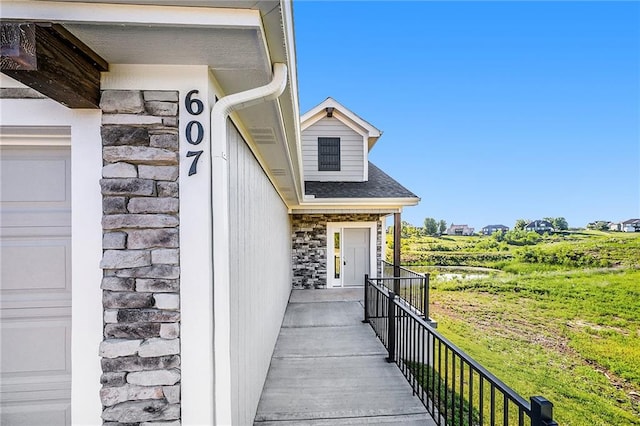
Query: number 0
199	132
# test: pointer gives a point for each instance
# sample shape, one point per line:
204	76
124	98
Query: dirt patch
580	324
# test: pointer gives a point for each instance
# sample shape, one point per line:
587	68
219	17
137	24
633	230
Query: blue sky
491	111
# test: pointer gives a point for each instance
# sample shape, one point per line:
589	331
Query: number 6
194	105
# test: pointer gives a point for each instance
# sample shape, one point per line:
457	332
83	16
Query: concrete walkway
330	369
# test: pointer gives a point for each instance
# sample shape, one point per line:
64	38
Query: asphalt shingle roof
379	185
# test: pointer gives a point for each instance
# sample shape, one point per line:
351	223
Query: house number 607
194	132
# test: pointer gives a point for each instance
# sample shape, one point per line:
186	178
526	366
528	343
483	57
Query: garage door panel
41	180
35	265
31	348
35	285
36	413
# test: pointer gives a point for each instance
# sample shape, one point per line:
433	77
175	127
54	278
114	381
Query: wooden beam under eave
51	60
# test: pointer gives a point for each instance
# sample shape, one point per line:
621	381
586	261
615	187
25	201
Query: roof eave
359	202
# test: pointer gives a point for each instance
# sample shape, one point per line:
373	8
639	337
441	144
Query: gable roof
539	224
630	221
379	185
346	116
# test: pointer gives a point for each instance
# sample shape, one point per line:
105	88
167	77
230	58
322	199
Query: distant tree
430	226
442	226
409	230
405	229
599	225
520	224
498	235
560	223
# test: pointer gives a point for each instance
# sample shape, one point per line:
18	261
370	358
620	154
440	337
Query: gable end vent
263	135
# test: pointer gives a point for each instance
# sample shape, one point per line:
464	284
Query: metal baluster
492	411
446	382
481	400
391	327
461	409
470	395
505	414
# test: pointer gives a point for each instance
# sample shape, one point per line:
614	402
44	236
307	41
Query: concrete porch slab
335	388
329	368
324	314
328	341
346	294
404	420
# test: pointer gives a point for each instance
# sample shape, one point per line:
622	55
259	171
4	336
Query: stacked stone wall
141	272
309	245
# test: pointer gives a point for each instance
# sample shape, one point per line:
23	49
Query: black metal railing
409	285
455	389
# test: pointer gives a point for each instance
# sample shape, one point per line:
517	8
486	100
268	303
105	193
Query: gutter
220	231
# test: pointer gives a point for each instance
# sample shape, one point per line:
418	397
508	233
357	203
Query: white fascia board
295	157
131	14
351	203
382	211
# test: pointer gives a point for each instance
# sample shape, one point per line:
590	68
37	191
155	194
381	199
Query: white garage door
35	285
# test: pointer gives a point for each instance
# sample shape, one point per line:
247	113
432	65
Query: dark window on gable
328	154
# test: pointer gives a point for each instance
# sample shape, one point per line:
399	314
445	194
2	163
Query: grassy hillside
568	250
559	318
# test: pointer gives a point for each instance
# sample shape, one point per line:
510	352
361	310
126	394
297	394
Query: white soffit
237	40
223	39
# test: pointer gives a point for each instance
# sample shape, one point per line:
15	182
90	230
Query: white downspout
220	229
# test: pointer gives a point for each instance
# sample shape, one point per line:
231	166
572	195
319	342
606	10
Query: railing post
392	327
397	244
366	298
541	412
425	306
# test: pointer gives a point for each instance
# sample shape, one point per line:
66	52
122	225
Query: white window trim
333	227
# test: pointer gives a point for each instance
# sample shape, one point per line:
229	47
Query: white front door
355	256
35	285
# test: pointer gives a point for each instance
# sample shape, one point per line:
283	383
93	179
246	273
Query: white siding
260	275
352	154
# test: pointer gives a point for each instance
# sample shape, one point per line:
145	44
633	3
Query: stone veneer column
141	288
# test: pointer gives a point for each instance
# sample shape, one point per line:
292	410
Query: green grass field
560	318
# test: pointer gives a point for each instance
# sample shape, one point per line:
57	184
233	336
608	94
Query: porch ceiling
238	40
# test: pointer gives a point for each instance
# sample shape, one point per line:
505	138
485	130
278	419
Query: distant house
631	225
539	226
459	230
615	226
490	229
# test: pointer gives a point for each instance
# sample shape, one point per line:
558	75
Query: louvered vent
278	172
263	135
